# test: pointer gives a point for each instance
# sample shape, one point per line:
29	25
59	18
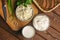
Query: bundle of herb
9	3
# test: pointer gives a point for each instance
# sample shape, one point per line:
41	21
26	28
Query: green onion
10	8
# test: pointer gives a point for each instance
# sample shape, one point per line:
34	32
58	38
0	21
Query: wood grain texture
57	11
52	33
4	35
55	20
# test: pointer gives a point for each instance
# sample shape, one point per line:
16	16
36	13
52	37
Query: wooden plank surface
4	35
53	33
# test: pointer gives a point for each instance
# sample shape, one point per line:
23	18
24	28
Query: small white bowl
28	32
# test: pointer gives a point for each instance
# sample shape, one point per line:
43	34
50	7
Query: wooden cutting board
1	12
13	22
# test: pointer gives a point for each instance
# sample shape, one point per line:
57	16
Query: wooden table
53	33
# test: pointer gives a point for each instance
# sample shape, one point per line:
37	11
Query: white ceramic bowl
28	32
41	22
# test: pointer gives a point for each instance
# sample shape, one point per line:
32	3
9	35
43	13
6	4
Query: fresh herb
28	1
19	2
10	8
25	2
